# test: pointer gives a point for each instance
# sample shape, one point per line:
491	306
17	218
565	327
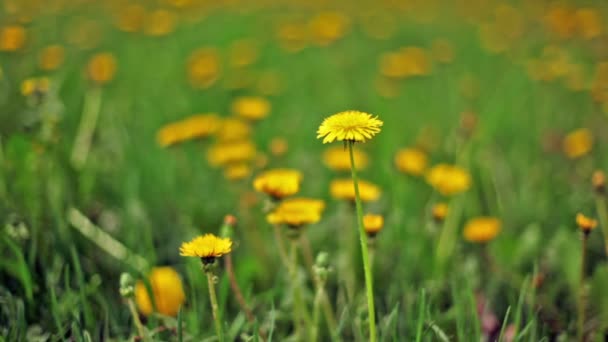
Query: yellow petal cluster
251	107
194	127
411	161
585	223
448	179
167	290
481	229
352	125
345	189
373	224
337	158
278	183
206	246
578	143
296	212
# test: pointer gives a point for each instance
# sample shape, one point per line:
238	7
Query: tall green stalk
301	314
581	294
364	252
214	306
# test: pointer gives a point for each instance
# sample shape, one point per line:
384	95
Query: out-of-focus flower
203	68
231	152
278	183
588	23
233	129
577	143
292	36
167	289
373	224
344	189
194	127
51	57
442	51
296	212
35	86
481	229
243	53
585	224
411	161
251	107
598	180
278	146
101	68
237	171
416	60
561	21
337	158
448	179
130	18
327	27
160	22
439	212
350	125
12	38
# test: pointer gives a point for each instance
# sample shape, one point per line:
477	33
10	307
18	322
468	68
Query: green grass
60	284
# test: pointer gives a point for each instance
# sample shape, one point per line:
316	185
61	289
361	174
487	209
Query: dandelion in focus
352	125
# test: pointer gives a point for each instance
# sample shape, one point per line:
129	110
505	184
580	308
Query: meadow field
193	170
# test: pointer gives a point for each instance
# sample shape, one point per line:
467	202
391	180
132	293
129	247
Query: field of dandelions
191	170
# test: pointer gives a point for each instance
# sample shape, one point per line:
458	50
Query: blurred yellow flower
194	127
292	36
207	247
373	224
51	57
203	68
577	143
327	27
230	152
439	211
411	161
560	20
278	146
585	223
589	23
130	18
33	86
598	181
481	229
237	171
278	183
232	129
251	107
159	22
12	38
448	179
101	68
243	52
337	158
345	189
296	212
352	125
417	61
167	289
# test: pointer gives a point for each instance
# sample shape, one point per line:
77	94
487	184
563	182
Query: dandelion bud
598	180
585	224
127	285
321	266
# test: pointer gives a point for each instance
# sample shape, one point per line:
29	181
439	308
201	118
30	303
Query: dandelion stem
602	213
364	252
581	294
214	306
88	122
300	313
281	246
136	320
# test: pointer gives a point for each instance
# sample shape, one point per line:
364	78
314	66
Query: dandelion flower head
352	125
167	289
206	246
278	183
481	229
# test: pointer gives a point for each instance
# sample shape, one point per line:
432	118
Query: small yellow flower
588	22
51	57
35	86
598	180
130	18
237	171
585	223
12	38
233	129
251	107
101	68
207	247
416	61
203	67
439	211
578	143
448	179
159	23
296	212
194	127
352	125
337	158
231	152
327	27
481	229
345	189
278	146
167	289
278	183
373	224
411	161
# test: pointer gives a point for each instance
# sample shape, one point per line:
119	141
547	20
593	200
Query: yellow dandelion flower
12	38
337	158
203	68
561	21
411	161
194	127
588	22
130	18
230	152
251	107
577	143
233	129
439	211
327	27
159	23
416	61
481	229
101	68
278	146
35	86
296	212
167	289
352	125
207	247
51	57
598	180
448	179
237	171
585	223
278	183
345	189
392	65
373	224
